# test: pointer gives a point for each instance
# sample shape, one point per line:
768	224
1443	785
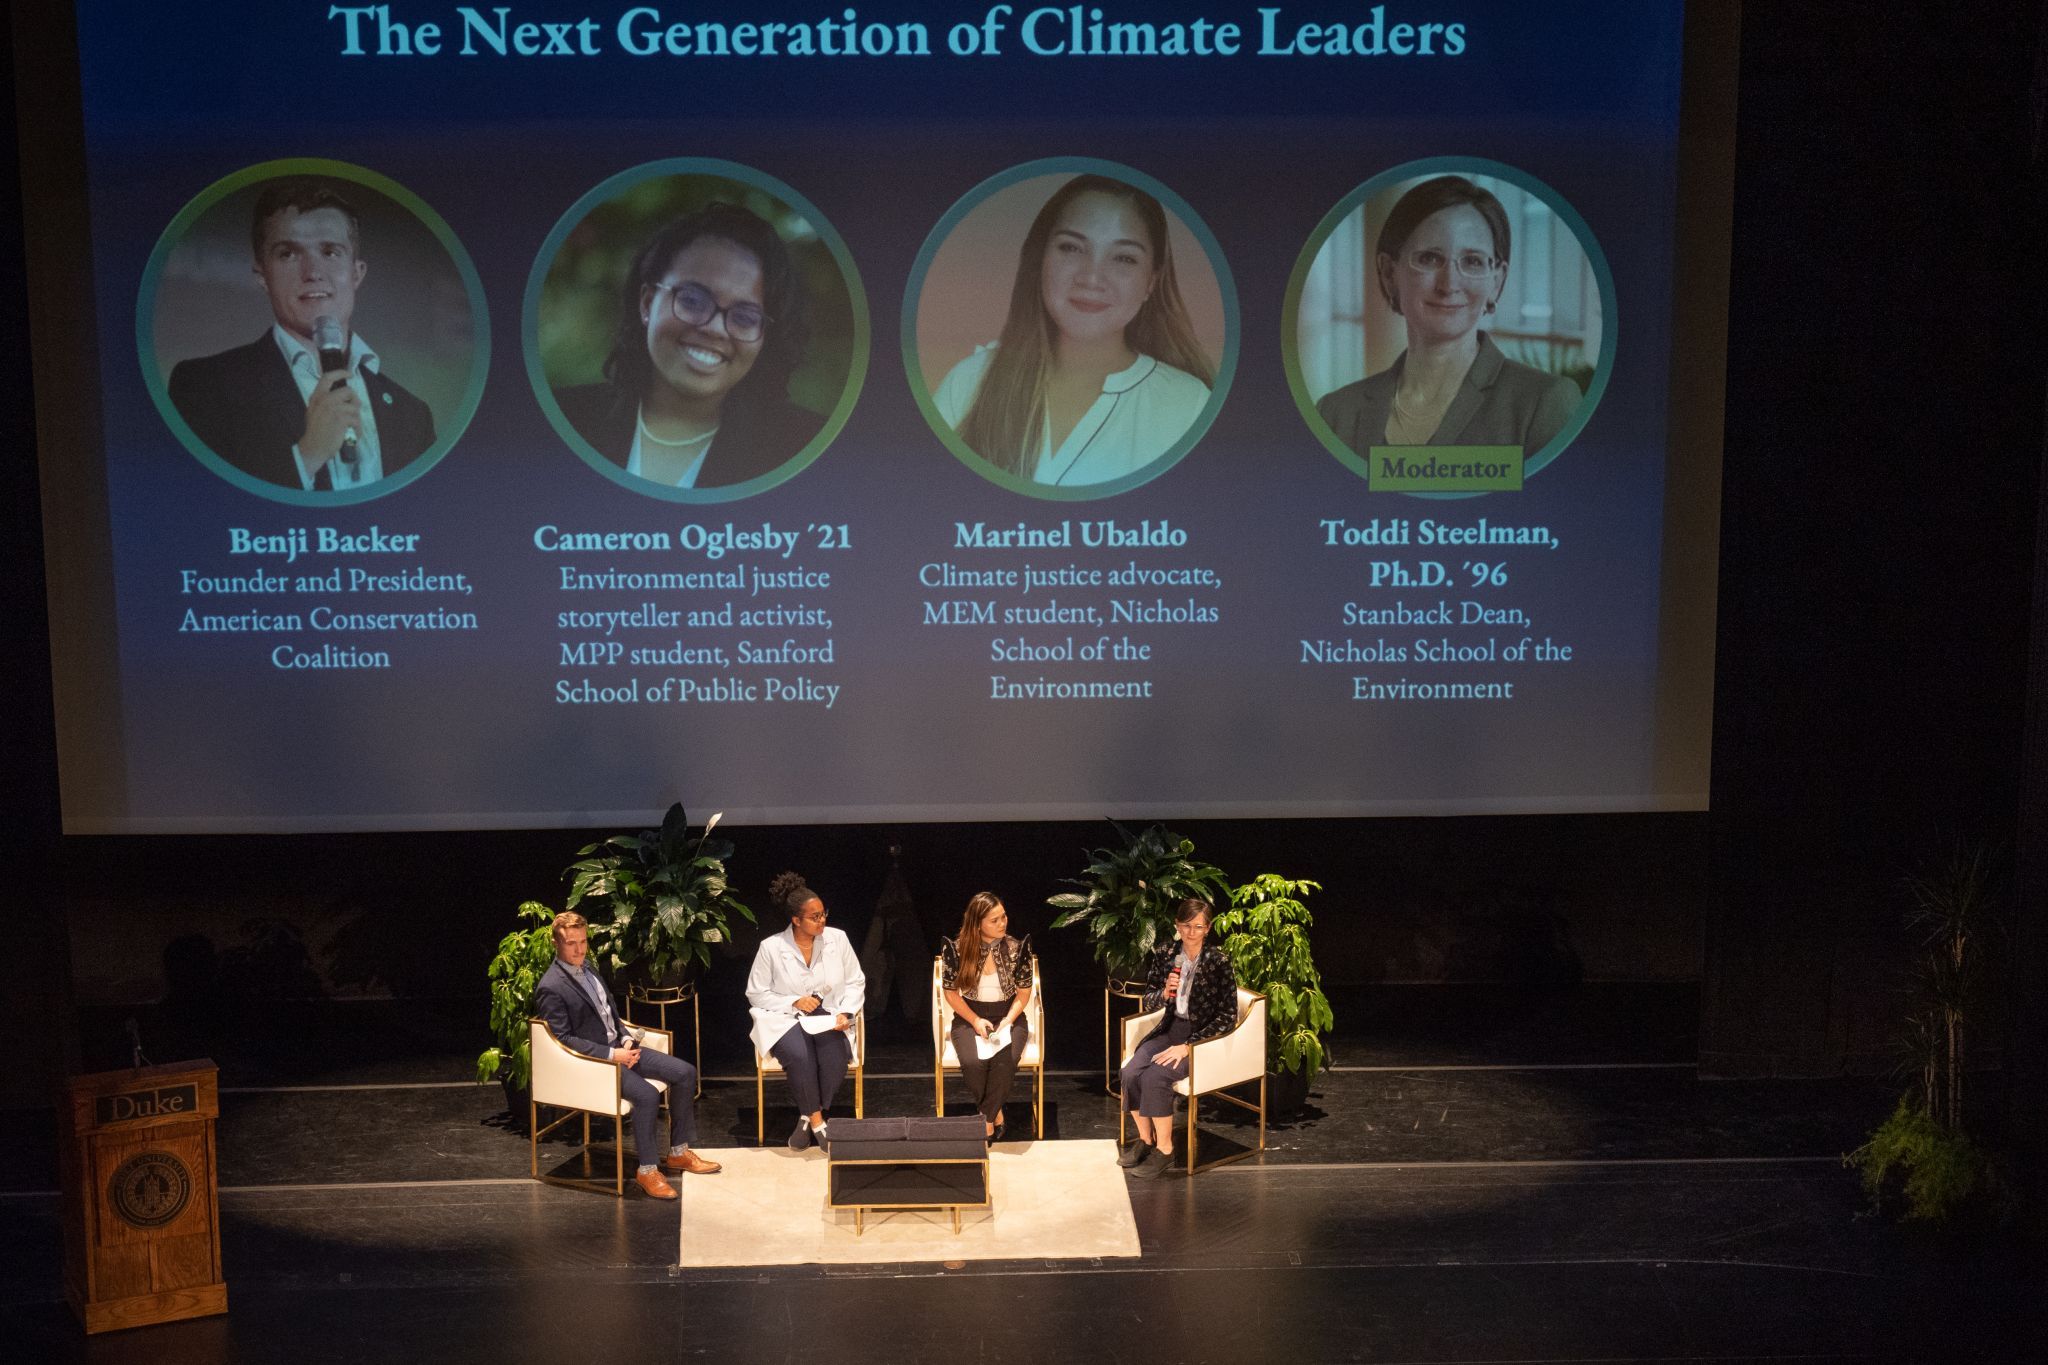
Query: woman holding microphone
804	992
1195	983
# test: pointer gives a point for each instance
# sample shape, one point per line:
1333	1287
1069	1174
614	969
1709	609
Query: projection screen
510	416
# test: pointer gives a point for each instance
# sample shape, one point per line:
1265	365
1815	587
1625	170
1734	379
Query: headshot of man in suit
307	404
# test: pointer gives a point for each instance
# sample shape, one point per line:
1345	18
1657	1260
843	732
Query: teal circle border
159	392
1226	369
1290	307
856	370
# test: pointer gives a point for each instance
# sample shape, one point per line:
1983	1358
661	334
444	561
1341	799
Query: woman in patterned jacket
1197	986
986	976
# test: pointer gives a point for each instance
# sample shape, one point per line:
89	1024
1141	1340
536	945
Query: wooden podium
141	1212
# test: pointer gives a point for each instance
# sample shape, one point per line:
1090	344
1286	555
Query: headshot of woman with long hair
1098	371
712	322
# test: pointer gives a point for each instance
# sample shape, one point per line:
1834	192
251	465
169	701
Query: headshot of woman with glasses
712	322
1442	264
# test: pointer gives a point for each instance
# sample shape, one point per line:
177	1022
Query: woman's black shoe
1133	1154
1155	1164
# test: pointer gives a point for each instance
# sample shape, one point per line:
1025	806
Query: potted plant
659	899
522	958
1924	1149
1265	935
1128	894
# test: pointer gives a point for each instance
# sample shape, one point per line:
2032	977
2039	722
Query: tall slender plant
1952	912
1127	894
658	897
1265	935
1926	1142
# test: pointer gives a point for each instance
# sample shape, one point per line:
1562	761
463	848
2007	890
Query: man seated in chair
579	1010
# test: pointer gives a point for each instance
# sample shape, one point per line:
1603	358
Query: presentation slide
529	415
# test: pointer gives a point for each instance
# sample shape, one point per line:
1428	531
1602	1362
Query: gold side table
1116	988
662	998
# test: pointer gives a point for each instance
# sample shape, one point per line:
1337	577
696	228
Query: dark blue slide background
464	729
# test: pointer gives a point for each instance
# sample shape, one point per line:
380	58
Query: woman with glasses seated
986	977
804	991
711	325
1442	262
1191	979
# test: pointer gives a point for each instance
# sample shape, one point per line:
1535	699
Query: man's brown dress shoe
691	1163
654	1186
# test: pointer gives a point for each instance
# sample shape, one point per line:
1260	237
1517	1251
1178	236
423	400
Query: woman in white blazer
803	993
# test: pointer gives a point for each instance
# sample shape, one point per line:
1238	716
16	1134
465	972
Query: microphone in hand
332	344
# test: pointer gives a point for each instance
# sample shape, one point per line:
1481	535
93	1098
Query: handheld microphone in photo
332	345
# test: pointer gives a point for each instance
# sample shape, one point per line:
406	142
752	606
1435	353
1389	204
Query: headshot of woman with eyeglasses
1098	371
712	322
1442	263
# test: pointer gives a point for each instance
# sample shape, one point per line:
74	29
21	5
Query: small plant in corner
1924	1149
1128	894
658	899
522	959
1265	936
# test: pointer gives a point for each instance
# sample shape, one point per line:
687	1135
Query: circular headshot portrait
313	332
1456	305
696	331
1070	329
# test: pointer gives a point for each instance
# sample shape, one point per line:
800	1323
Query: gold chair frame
575	1071
942	1027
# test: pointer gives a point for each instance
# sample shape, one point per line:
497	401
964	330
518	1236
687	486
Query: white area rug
1051	1200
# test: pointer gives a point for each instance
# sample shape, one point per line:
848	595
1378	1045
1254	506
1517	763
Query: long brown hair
969	942
1004	424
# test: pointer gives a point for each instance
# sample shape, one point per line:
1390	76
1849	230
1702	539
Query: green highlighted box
1445	469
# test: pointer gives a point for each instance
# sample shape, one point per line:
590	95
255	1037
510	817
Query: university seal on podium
150	1189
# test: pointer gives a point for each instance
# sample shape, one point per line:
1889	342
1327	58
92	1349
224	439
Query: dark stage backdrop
1242	605
1874	632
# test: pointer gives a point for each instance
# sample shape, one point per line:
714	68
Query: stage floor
1421	1209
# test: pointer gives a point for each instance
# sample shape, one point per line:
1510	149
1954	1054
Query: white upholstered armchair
1237	1058
565	1079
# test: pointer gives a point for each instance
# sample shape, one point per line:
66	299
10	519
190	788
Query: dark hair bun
789	890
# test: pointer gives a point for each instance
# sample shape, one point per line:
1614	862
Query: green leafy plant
658	898
1937	1168
522	958
1128	894
1924	1146
1265	935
